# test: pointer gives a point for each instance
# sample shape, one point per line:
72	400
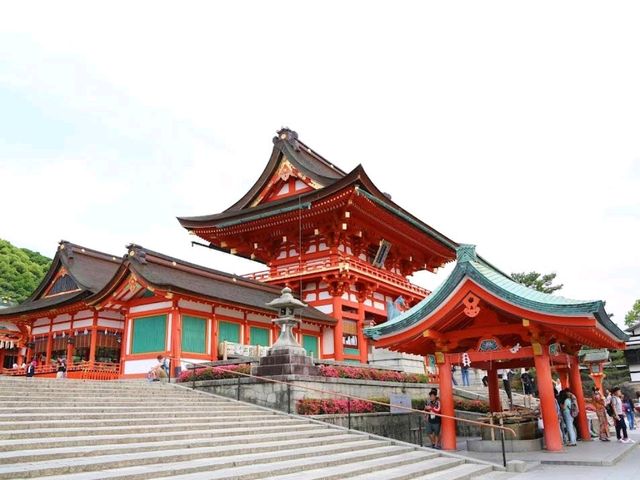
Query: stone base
509	445
282	363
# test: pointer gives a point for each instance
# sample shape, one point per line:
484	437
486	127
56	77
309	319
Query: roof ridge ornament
466	253
285	134
137	252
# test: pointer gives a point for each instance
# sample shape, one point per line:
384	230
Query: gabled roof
90	270
170	274
470	266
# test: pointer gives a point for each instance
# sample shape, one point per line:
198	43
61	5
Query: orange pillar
495	403
448	434
337	329
49	347
362	340
597	378
576	389
176	339
552	435
214	338
69	352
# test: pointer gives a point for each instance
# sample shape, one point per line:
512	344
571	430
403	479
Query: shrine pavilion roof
470	266
329	180
87	271
172	275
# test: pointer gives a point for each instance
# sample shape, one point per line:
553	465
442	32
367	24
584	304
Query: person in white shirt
619	416
506	383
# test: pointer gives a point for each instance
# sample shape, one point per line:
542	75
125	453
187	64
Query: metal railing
289	386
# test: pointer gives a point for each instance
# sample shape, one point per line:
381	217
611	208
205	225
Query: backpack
609	409
574	408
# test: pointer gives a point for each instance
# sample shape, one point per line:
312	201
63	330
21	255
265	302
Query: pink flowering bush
213	373
335	371
321	406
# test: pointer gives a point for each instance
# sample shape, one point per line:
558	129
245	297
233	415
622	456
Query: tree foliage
21	271
537	281
633	316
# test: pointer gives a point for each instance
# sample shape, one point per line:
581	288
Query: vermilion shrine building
347	249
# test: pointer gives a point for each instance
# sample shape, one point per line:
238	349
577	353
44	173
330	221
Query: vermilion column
362	341
176	339
495	403
448	436
337	329
552	436
576	389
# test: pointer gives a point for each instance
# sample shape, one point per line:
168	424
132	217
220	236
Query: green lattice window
149	334
310	344
259	336
194	334
228	331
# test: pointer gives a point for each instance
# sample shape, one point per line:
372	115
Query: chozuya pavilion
481	312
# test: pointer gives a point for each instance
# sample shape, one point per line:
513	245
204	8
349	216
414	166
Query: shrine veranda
346	249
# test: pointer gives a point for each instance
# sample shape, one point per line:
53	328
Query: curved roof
469	265
91	270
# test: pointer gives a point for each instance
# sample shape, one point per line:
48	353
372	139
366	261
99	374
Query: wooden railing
341	263
82	370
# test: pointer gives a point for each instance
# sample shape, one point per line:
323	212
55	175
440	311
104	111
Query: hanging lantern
86	332
1	344
54	335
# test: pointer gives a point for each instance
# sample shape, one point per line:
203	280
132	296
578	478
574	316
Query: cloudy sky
511	125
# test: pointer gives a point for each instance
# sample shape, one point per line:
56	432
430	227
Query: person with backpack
627	404
433	422
619	416
601	412
564	399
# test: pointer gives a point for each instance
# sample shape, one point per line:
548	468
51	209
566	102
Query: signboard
399	400
231	349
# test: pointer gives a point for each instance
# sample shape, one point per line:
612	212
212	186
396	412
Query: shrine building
481	314
344	248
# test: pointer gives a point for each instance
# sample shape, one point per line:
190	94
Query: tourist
619	416
485	381
465	375
453	375
527	385
61	368
601	412
564	400
506	383
157	372
432	407
31	369
627	406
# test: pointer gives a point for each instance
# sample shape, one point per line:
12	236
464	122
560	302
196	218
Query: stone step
73	422
187	456
241	467
173	427
79	402
466	471
140	413
402	466
192	435
52	411
243	444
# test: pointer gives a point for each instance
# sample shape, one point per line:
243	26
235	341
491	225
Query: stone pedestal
286	363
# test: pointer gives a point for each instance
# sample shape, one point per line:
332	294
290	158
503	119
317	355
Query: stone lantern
596	360
286	356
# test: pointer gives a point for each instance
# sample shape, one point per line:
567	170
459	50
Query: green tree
537	281
21	270
633	316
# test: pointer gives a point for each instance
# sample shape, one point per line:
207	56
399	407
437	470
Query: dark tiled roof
43	303
168	273
91	270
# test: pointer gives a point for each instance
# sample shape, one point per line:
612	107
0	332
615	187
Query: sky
514	126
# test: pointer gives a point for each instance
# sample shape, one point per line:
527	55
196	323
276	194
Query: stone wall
282	397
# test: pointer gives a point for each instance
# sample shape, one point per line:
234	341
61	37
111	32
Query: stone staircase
74	430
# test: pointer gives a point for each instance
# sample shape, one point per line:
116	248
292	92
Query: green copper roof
469	265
